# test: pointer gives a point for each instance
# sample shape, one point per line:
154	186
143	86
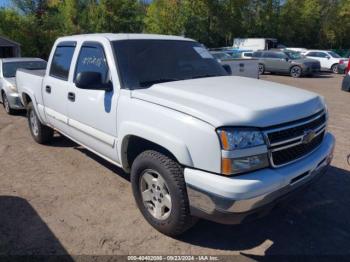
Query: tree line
299	23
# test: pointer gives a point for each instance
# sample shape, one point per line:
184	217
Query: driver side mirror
92	81
287	59
227	69
328	57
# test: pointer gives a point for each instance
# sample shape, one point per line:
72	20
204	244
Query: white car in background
8	90
329	60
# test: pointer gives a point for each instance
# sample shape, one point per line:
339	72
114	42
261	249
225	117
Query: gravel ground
61	199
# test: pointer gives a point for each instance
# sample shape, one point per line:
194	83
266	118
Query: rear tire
6	104
334	69
296	71
41	134
160	192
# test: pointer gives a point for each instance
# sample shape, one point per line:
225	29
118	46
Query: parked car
198	143
8	90
286	62
346	80
329	60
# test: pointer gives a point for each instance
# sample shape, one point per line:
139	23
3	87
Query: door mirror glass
93	81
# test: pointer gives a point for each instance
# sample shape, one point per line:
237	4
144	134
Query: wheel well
334	64
132	146
26	99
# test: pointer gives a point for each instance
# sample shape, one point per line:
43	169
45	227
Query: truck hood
232	100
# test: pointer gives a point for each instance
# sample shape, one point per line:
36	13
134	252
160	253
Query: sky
4	3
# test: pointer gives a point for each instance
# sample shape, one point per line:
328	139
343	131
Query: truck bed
30	82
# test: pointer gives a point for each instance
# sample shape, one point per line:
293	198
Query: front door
93	113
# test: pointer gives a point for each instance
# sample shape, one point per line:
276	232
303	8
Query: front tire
6	104
160	192
41	134
334	69
296	71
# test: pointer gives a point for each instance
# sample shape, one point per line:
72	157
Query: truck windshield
143	63
9	68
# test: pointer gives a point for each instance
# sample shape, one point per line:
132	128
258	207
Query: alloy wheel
34	123
296	72
155	194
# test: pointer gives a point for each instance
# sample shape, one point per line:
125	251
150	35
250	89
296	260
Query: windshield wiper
157	81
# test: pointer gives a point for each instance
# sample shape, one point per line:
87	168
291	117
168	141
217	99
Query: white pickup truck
197	142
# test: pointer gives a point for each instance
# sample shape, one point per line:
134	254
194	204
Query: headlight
13	88
232	139
239	155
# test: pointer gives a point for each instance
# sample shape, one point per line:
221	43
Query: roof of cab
20	59
122	36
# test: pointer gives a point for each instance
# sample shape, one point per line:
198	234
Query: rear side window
61	61
92	59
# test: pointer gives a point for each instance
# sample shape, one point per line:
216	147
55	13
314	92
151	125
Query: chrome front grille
292	141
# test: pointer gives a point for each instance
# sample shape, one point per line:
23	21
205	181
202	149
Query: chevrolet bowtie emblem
308	136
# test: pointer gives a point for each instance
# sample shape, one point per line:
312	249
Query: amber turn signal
226	166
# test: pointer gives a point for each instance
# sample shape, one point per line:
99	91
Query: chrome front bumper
232	200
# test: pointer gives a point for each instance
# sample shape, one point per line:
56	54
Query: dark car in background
286	62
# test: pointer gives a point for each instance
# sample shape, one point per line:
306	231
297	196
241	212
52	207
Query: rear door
56	84
93	113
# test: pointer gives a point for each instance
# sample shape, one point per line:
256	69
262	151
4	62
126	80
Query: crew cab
197	142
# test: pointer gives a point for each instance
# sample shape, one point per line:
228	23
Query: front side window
9	68
61	61
92	59
280	55
143	63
